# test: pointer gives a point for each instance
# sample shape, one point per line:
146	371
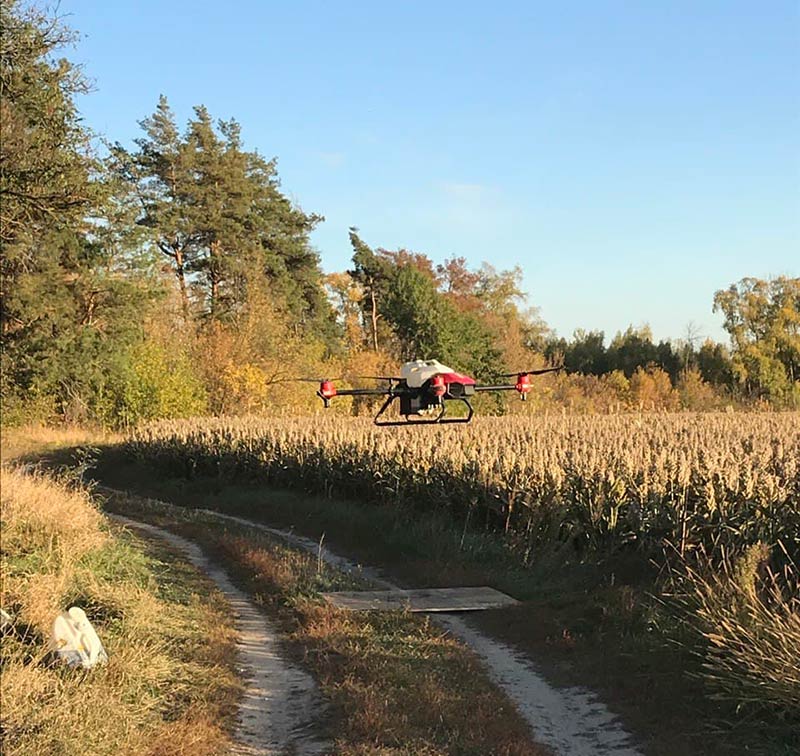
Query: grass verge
169	686
396	683
595	623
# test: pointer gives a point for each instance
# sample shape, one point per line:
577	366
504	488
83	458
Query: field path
571	721
281	703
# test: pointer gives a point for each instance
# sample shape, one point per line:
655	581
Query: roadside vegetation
169	686
173	277
658	531
395	683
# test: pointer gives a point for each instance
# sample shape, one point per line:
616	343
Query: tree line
173	276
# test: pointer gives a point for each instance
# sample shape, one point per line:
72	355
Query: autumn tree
71	297
216	214
416	309
347	297
458	282
763	320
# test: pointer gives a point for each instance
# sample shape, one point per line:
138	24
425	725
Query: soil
281	704
571	721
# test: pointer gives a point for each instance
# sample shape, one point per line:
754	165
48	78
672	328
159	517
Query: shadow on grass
590	622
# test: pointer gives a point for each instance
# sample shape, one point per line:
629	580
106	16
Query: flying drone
423	389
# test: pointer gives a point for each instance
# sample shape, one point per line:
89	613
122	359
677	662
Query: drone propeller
313	380
345	378
540	371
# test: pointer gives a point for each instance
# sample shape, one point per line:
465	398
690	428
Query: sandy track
281	704
571	721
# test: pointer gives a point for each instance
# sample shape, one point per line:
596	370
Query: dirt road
281	704
571	721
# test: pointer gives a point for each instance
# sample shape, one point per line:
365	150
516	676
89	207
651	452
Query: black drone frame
440	419
396	391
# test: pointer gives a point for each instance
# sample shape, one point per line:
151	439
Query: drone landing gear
440	419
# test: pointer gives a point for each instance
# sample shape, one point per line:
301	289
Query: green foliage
763	320
216	214
416	312
632	350
82	312
44	182
71	297
372	274
586	353
714	363
154	383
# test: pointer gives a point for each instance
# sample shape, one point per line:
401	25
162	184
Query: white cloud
472	205
466	193
332	159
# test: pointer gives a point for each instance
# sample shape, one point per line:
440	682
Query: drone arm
542	371
326	398
522	387
363	392
523	384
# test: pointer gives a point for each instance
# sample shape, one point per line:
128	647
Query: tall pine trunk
179	274
213	276
374	319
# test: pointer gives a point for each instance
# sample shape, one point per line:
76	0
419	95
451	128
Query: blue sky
631	157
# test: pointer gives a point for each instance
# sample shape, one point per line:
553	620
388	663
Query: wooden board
423	600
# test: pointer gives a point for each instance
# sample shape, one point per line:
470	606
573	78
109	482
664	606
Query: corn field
713	497
711	481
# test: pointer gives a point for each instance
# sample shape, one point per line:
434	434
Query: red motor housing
523	385
327	390
438	385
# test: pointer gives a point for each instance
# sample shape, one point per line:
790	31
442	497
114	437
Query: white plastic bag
75	640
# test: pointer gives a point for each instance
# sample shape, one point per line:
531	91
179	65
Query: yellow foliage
651	389
245	387
694	392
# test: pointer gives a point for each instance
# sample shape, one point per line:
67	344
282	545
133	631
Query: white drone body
424	387
415	373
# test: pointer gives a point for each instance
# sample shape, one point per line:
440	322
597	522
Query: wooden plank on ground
422	600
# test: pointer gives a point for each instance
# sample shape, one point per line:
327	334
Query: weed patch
169	685
396	683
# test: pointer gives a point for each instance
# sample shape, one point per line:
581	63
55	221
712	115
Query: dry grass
170	651
748	613
50	529
594	482
396	684
35	439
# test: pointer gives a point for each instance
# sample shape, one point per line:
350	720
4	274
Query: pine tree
67	296
216	212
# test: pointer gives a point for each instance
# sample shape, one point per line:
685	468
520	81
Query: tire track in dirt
572	721
281	704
